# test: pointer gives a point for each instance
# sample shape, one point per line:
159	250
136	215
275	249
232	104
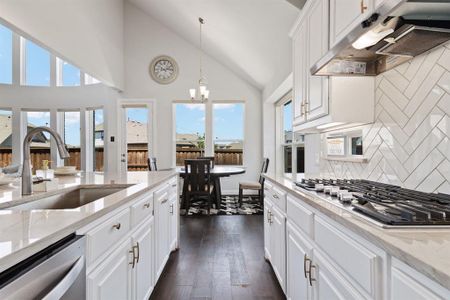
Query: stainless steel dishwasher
57	272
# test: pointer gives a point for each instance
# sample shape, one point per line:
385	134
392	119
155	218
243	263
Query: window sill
355	159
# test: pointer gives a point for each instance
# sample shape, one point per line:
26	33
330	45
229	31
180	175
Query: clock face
163	69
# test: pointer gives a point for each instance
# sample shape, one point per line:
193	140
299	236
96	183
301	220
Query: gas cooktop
384	203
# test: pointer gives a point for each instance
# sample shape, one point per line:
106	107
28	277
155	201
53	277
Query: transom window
37	65
5	55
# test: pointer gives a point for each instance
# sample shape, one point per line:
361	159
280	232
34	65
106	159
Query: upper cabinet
321	102
346	15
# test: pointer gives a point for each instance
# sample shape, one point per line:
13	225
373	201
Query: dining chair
210	158
197	181
255	185
151	162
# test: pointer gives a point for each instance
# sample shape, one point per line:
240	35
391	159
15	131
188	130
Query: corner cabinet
127	249
323	100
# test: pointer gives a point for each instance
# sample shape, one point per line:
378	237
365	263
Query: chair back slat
198	173
265	166
151	162
210	158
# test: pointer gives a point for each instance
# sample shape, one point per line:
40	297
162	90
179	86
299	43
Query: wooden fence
137	157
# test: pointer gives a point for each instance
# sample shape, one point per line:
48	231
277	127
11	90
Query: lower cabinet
162	223
274	240
142	275
112	278
173	222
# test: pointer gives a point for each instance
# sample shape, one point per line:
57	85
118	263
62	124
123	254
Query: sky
5	55
228	121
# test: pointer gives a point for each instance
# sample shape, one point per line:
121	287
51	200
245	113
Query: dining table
216	173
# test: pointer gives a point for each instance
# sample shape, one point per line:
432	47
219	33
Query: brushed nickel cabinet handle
363	7
171	209
165	200
147	205
311	279
276	196
133	262
305	261
174	185
138	252
116	226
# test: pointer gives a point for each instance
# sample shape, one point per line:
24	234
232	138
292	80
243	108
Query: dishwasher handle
66	283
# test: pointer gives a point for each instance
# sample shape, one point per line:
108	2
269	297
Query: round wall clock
163	69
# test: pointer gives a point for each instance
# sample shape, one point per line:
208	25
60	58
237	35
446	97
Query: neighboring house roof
136	132
39	140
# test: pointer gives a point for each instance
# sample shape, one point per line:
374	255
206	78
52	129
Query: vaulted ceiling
248	36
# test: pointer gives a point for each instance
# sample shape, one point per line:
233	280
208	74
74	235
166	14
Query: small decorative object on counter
45	172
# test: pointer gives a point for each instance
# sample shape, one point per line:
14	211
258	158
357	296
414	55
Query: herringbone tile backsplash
408	144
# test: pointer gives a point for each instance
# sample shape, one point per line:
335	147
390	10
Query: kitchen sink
70	199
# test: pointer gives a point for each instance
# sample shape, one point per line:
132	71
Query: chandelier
202	88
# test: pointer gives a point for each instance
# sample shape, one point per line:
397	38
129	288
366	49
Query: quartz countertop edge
426	250
136	189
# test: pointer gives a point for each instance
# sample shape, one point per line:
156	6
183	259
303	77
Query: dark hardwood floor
220	257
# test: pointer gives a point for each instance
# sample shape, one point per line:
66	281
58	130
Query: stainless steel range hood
395	33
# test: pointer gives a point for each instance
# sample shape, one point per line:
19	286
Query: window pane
300	160
40	146
88	79
5	138
99	138
5	55
287	122
37	65
357	146
72	127
287	154
190	131
137	138
70	75
228	128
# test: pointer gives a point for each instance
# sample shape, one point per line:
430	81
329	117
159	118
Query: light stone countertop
426	250
23	233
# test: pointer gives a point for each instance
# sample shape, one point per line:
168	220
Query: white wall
145	38
87	33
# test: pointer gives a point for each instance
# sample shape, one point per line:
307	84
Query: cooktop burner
384	203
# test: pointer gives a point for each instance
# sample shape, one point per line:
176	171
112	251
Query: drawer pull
311	279
305	261
270	217
147	205
174	185
116	226
276	196
165	200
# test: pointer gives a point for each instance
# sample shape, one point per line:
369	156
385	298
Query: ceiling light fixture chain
202	84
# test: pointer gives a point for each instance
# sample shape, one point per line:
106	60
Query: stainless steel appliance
57	272
385	204
396	32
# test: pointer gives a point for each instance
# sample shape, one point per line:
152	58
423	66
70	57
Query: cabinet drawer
107	234
357	262
142	209
279	198
300	215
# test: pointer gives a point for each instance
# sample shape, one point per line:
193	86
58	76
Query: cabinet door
327	283
317	45
143	282
297	286
267	207
299	73
173	222
278	245
112	278
345	15
161	231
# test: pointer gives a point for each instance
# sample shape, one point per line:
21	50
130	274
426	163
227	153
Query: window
190	131
67	74
5	55
5	138
72	127
99	139
357	145
40	145
88	79
292	148
37	65
228	126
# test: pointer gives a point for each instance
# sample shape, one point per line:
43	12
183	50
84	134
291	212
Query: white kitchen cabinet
316	102
173	222
299	73
162	230
267	207
142	273
278	245
112	278
345	15
298	251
